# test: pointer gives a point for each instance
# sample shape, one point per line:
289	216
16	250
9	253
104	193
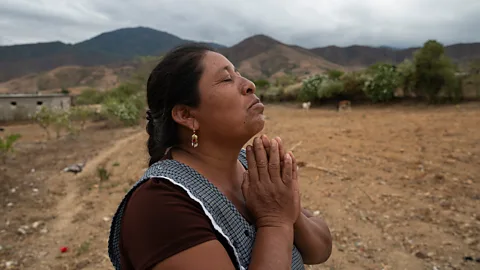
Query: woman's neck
219	164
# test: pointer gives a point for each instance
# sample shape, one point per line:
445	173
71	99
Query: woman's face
226	100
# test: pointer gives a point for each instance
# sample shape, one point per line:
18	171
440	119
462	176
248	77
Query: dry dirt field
399	187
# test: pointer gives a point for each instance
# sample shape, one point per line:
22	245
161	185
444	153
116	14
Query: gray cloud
309	23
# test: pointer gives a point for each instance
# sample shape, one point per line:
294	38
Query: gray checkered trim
226	219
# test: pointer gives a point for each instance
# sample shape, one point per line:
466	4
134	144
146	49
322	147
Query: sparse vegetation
61	122
81	115
90	96
103	174
44	118
7	145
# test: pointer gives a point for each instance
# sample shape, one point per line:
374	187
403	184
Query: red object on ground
64	249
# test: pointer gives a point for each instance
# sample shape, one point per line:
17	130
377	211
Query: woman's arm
312	238
212	255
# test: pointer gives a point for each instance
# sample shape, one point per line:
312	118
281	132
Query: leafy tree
433	70
353	84
406	76
334	74
330	88
381	82
310	87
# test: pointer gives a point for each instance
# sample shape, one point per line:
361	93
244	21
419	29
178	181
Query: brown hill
364	56
114	47
73	78
261	56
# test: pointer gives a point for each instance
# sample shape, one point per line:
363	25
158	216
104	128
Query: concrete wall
22	107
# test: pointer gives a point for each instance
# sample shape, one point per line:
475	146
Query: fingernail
274	143
249	148
287	157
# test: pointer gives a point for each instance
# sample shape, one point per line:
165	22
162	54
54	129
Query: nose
248	87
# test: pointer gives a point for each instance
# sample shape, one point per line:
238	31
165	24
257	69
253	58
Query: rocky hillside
107	58
365	56
261	56
116	47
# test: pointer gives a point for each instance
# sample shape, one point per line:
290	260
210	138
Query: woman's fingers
261	159
281	148
287	170
274	162
245	183
294	166
252	164
266	143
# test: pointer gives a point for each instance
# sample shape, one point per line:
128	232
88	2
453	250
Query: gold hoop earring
194	139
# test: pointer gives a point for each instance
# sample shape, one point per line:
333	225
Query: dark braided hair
173	81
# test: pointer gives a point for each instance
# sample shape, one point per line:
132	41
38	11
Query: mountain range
259	56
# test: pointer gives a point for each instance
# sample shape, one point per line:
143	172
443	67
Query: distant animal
344	105
306	105
75	168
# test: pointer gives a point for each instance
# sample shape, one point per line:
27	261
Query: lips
254	103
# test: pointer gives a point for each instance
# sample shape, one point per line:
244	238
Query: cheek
226	110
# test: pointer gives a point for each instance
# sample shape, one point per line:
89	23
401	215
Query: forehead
214	63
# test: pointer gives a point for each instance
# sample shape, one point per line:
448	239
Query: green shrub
44	118
121	112
272	94
353	83
381	82
330	88
285	80
61	122
6	145
310	87
81	115
90	96
334	74
406	76
261	84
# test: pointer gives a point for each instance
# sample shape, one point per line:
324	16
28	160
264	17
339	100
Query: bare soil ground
399	187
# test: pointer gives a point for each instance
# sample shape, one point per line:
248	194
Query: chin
257	125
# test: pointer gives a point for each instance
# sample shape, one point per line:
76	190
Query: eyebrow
227	67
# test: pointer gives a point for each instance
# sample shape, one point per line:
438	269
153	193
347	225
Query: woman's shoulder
160	220
160	196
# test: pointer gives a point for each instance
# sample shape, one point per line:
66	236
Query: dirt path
68	210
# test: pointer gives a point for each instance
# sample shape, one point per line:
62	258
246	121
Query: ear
183	115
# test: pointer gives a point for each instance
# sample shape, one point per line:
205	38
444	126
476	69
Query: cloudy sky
309	23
